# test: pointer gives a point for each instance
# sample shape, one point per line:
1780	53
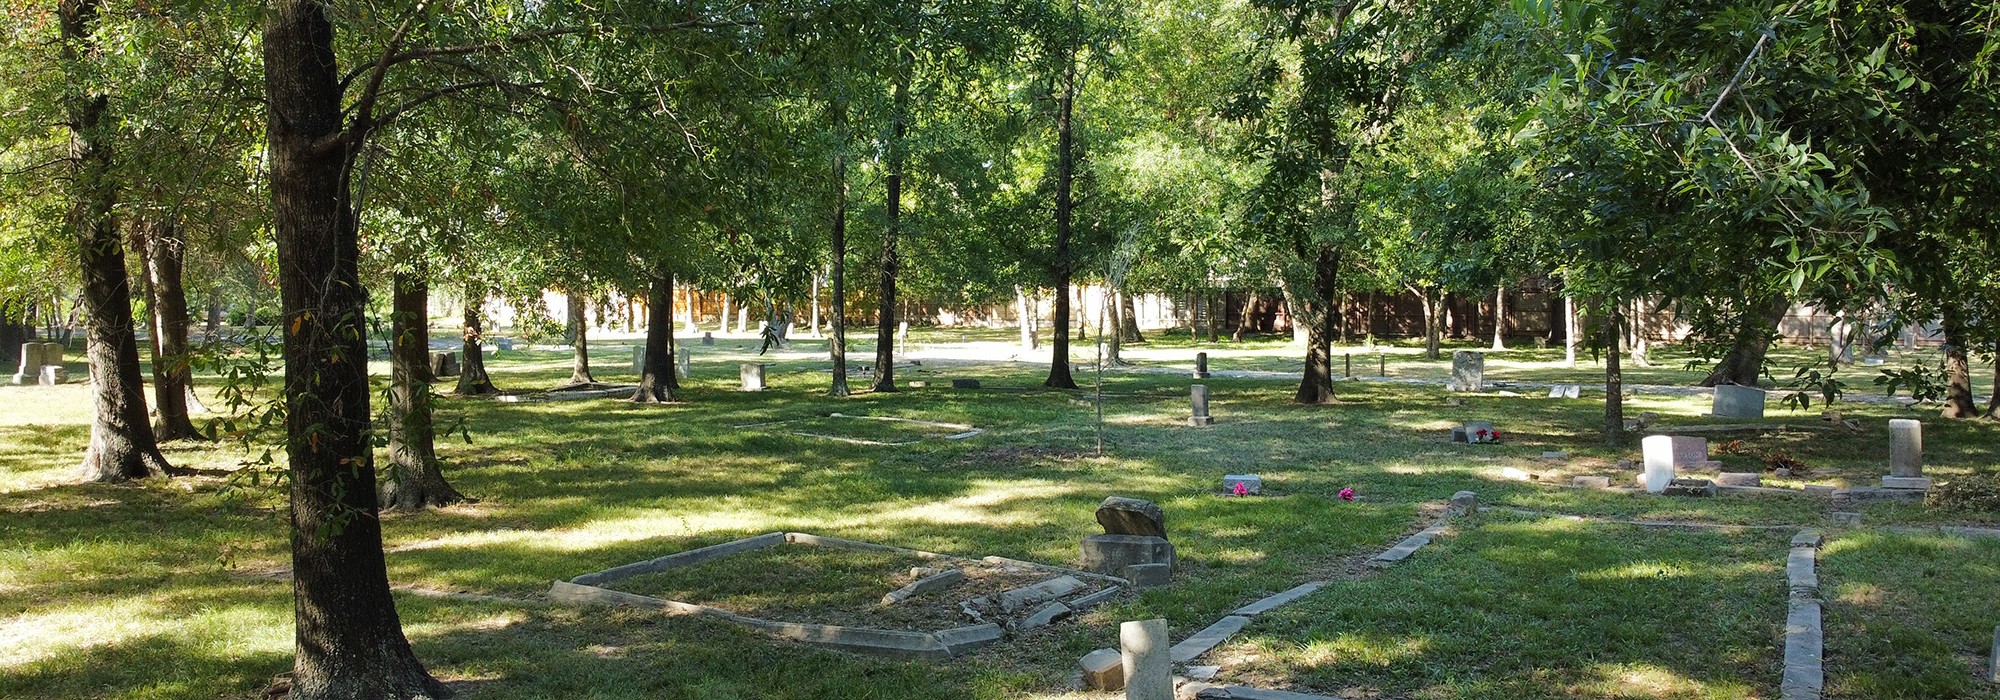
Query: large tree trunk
1957	367
838	347
14	330
1316	385
658	383
1500	319
1129	323
122	444
1636	329
415	480
349	641
885	315
1116	308
579	339
1433	319
1614	381
1993	402
472	379
1024	312
1756	327
1059	376
163	258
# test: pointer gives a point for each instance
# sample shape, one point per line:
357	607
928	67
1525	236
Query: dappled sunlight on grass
1360	648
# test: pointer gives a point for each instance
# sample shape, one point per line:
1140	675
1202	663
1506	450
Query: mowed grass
154	590
1909	615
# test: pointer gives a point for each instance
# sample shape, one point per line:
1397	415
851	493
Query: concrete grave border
966	430
932	646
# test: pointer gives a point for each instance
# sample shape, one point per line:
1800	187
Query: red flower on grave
1347	494
1481	433
1240	489
1496	435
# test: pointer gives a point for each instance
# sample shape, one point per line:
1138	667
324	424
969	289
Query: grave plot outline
966	430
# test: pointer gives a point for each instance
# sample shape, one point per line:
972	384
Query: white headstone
1906	447
1659	451
684	363
1148	665
752	374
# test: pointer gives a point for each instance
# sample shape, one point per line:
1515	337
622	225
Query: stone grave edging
1804	672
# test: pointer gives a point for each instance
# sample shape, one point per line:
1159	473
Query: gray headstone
684	362
1659	450
1252	484
1735	401
1148	668
1566	391
708	338
1688	452
1473	431
1739	479
1131	516
752	374
1906	447
1465	502
1591	482
639	359
1921	483
1468	371
53	375
1690	487
1201	365
1841	518
31	358
1198	396
504	343
1145	576
1111	554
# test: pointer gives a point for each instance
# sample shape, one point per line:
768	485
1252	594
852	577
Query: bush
1978	493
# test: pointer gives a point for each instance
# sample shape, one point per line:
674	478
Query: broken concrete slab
1043	617
1272	602
960	640
1213	636
1053	588
934	582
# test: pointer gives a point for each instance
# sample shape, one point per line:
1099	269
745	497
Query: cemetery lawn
1903	621
175	589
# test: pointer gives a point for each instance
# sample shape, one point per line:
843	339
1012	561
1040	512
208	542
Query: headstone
964	383
1477	431
903	333
53	375
1148	669
1468	371
1464	503
753	376
1920	483
708	338
1555	455
1842	518
1198	395
1659	450
504	343
1112	554
35	356
1688	452
1131	516
444	364
684	362
1739	479
1145	576
1906	447
639	359
1736	401
1201	365
1566	391
1104	670
1250	484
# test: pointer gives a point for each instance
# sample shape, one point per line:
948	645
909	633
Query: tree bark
164	260
1993	402
1243	322
1316	384
1756	328
472	378
349	641
1217	303
1433	319
415	480
1957	367
885	315
1059	375
579	339
658	383
1024	312
122	443
838	348
1500	319
1614	381
1636	328
1114	345
1129	313
1569	330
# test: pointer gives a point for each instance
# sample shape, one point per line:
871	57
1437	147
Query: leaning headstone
752	374
1242	484
1131	516
1737	401
684	362
1906	447
1566	391
1147	666
53	375
1468	371
1201	365
1659	450
1198	396
708	338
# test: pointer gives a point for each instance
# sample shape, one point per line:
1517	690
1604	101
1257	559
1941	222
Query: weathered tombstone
1250	484
1147	665
1566	391
1739	479
1201	365
1689	452
1135	533
752	374
1475	431
1131	516
1699	488
31	364
1104	670
1464	503
1468	371
53	375
1198	397
684	362
639	359
1591	482
1145	576
1737	401
1659	450
1906	447
708	338
444	364
504	343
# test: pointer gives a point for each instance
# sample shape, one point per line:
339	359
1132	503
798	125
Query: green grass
146	591
1909	616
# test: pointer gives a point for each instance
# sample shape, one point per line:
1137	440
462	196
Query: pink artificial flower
1347	494
1240	489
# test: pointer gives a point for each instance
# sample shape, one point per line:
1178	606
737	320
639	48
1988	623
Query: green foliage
1926	383
1808	381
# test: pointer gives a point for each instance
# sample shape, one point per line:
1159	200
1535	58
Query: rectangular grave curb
687	558
1272	602
1208	638
1804	676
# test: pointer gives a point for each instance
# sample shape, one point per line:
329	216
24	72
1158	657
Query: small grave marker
1737	401
1906	455
684	362
1468	371
752	375
1566	391
708	338
1243	484
1201	365
1198	397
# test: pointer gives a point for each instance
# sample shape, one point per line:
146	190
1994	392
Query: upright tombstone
1738	401
708	338
1201	365
444	364
504	344
1147	661
1689	452
903	333
639	359
1135	535
53	375
753	376
1566	391
1468	371
31	364
1906	455
684	362
1659	451
1198	397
